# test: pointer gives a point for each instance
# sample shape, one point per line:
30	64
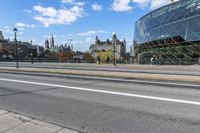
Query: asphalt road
119	68
95	106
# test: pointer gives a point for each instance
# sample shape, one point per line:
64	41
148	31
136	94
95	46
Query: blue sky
79	20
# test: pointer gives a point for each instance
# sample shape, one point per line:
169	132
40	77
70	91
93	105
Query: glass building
170	34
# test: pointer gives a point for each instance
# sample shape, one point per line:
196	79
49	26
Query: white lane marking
105	92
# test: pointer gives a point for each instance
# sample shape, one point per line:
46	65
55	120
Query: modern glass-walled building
170	34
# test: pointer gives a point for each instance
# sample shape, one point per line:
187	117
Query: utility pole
16	48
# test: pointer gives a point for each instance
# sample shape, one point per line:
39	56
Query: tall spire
52	42
1	35
114	36
31	42
96	40
124	40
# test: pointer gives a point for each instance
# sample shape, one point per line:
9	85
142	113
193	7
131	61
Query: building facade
47	44
1	36
120	49
170	1
25	49
50	46
170	34
132	54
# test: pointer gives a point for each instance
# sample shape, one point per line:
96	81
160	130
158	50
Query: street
94	106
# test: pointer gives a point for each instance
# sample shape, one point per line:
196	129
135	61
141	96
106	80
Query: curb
118	80
124	75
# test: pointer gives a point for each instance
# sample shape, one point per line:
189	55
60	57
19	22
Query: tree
87	56
63	56
104	54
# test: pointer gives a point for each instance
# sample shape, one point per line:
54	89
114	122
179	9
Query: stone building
47	44
55	48
25	49
109	45
1	36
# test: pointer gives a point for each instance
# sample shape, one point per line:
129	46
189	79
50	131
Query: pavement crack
23	120
26	92
92	83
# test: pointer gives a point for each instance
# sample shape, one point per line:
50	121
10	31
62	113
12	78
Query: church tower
47	44
1	36
96	40
124	41
52	42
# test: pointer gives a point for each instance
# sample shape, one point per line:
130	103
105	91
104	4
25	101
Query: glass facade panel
180	18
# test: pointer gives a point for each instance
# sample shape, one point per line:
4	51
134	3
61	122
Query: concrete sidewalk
15	123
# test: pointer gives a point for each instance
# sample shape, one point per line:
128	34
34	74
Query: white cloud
22	25
92	32
67	1
70	35
7	30
49	11
89	40
121	5
20	33
96	7
142	3
28	11
49	15
158	3
73	2
80	3
125	5
20	29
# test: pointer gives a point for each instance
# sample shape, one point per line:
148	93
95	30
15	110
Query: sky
76	20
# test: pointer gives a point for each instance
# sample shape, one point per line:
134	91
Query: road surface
97	106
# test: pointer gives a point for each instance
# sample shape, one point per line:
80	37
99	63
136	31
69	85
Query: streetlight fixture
114	48
16	48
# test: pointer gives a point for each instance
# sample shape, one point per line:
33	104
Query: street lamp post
16	48
31	57
114	48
